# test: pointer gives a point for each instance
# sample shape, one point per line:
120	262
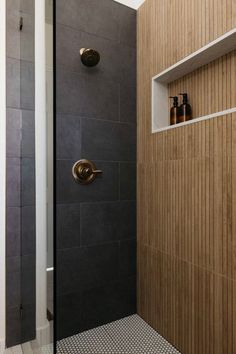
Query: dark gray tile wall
96	119
20	235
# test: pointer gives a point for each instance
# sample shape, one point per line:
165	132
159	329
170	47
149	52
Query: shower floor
130	335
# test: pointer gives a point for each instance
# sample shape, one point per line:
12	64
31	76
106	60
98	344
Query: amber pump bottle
174	111
185	110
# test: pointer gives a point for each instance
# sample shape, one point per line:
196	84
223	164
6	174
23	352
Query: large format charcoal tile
13	290
28	292
28	323
113	65
12	29
28	133
68	325
113	301
76	94
106	222
28	230
27	6
27	38
128	104
127	258
13	182
95	307
127	25
97	17
104	188
13	327
13	232
127	181
13	5
13	264
28	262
127	66
84	268
95	229
68	225
28	120
109	141
14	119
28	182
27	85
13	83
68	137
13	143
28	143
28	285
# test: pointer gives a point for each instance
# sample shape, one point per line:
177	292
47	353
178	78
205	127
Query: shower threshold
130	335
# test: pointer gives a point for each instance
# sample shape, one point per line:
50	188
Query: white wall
2	169
135	4
49	109
40	116
41	174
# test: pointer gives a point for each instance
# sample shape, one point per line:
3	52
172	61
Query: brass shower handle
97	172
85	171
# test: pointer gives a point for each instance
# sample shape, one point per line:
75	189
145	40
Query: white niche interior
160	98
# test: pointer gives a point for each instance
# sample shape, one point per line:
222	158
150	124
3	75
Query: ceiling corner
134	4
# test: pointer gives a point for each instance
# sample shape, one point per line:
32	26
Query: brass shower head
89	57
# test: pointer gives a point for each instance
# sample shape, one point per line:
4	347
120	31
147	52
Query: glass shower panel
20	236
96	167
29	270
50	158
32	336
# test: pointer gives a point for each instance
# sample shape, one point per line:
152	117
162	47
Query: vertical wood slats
208	88
187	183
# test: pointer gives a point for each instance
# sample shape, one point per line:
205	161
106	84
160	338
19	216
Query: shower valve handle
85	171
97	172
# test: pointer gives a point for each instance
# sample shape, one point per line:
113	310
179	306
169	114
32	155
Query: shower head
89	57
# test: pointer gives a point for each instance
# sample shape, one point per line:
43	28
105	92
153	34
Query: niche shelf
210	52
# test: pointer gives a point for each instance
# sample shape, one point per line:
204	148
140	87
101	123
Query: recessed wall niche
195	74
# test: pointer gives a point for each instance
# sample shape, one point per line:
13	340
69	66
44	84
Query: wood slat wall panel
206	95
187	182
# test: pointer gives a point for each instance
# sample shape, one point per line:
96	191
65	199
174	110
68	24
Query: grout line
133	201
117	242
114	41
80	227
84	117
96	160
119	184
119	102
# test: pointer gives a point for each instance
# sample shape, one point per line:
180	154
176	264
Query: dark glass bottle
185	110
174	111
